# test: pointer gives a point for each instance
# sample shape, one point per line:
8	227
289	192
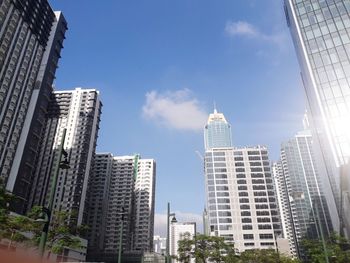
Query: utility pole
48	211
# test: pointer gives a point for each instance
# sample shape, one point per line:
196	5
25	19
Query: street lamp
168	233
121	236
47	211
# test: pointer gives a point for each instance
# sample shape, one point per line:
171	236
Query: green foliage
61	233
264	256
337	250
205	249
214	249
5	199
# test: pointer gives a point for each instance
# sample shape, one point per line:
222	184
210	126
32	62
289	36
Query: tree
337	250
206	248
265	256
185	247
61	233
5	199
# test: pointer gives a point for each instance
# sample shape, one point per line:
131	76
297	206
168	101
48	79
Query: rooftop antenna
215	111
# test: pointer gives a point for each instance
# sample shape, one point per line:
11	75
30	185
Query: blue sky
160	65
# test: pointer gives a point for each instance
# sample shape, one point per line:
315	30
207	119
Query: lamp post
168	233
121	236
60	164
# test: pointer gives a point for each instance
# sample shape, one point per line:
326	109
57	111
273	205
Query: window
249	244
264	226
267	244
265	236
244	200
240	176
247	227
245	213
246	220
241	182
248	236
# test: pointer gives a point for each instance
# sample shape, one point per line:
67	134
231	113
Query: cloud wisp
160	221
245	29
175	109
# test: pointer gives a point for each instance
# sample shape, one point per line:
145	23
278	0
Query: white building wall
241	198
179	231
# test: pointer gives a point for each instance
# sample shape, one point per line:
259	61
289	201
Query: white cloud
160	221
175	109
241	28
245	29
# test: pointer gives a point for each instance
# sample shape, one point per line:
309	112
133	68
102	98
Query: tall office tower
284	207
320	32
304	209
31	37
217	132
128	184
78	111
241	198
180	231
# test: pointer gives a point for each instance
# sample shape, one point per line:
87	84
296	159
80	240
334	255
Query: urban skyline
258	180
168	85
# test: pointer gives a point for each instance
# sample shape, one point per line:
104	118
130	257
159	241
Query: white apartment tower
78	111
241	198
121	188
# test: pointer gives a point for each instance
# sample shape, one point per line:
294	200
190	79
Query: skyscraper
241	200
121	188
31	37
78	111
217	132
303	207
320	30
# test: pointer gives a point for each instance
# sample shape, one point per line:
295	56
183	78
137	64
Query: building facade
321	33
304	209
31	37
217	131
159	245
241	197
121	189
284	208
78	111
180	231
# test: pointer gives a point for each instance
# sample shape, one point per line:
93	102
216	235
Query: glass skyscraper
303	207
217	132
321	34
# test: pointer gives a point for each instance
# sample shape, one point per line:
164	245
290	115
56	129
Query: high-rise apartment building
320	30
241	198
78	111
217	132
180	231
121	188
284	208
31	37
303	207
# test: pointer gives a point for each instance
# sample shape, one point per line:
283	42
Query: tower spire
215	110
